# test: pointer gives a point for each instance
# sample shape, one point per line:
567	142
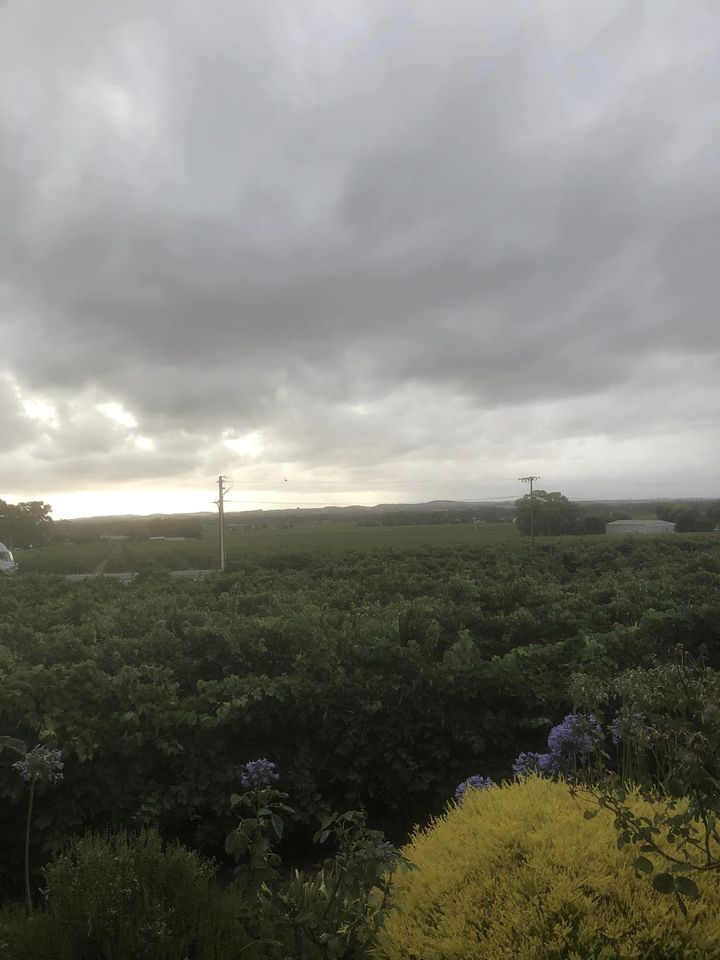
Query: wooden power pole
222	490
531	480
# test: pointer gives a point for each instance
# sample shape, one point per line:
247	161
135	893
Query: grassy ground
113	557
348	536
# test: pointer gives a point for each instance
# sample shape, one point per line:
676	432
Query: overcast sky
385	249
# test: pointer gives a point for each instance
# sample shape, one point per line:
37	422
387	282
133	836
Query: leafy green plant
332	912
37	766
667	735
131	897
252	841
336	911
36	937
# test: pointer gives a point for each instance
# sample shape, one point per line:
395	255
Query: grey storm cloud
364	229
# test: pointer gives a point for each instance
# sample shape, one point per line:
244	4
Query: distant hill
431	511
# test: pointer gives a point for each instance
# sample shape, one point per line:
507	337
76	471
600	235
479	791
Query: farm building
640	526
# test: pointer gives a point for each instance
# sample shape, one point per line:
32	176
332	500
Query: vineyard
374	679
108	556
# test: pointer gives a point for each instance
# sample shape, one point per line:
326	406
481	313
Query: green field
349	536
114	557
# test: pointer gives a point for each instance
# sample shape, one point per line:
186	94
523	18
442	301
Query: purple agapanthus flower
475	782
546	764
526	762
578	733
259	774
42	764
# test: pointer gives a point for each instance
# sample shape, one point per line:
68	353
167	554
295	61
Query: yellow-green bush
517	873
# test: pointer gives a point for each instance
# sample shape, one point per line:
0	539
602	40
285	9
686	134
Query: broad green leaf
664	883
687	887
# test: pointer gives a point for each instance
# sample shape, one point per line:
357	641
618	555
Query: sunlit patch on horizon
143	443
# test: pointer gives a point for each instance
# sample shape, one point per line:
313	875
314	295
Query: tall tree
687	519
713	511
25	524
553	514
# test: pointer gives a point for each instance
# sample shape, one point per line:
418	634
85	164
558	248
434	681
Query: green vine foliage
376	681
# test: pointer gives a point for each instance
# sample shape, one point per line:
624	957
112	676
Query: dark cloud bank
359	240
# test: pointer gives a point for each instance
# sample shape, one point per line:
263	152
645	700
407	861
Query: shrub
667	739
40	937
125	897
330	913
518	873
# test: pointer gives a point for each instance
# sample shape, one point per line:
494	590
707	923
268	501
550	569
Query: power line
624	483
369	483
230	483
355	482
321	504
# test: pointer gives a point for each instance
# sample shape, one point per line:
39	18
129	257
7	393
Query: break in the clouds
380	249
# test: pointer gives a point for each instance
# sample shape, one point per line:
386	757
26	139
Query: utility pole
531	480
222	490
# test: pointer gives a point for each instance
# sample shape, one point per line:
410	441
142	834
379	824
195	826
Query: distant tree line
689	518
24	525
136	528
554	515
405	518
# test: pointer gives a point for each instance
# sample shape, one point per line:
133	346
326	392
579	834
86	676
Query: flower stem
27	846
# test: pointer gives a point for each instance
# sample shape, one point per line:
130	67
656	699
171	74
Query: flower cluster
577	734
41	764
258	774
546	764
473	783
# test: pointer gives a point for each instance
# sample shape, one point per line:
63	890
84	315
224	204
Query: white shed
6	559
640	526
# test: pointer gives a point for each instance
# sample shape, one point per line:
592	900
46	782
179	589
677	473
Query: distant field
348	536
114	557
